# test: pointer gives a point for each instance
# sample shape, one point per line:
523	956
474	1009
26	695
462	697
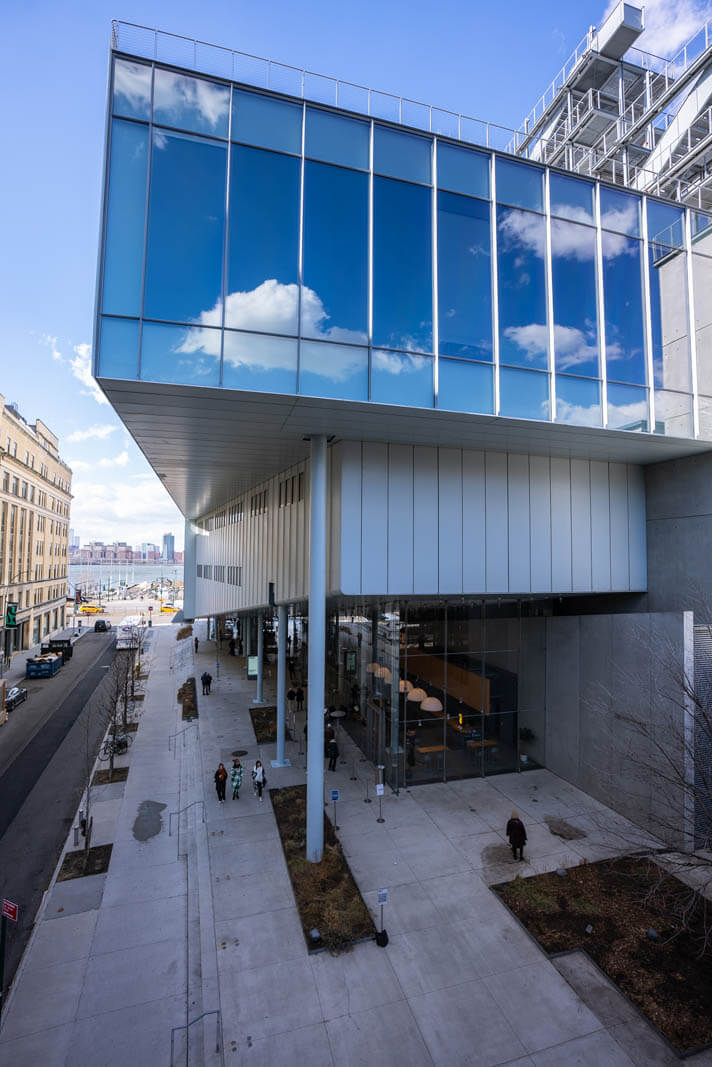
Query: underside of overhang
210	445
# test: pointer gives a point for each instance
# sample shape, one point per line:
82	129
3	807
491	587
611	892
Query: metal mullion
549	299
494	281
691	323
650	370
371	220
601	308
226	242
434	260
145	224
99	295
300	263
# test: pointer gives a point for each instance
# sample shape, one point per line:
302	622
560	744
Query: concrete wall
602	667
679	535
418	520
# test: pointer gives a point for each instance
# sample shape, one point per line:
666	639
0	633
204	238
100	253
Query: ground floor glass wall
431	690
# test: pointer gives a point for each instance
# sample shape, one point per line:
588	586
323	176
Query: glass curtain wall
259	243
701	226
432	690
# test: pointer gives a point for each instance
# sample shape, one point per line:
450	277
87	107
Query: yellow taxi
168	607
90	609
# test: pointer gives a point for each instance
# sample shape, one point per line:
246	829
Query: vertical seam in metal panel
571	525
690	272
101	251
147	207
495	287
371	226
462	521
549	299
601	308
650	369
228	178
361	459
300	263
434	261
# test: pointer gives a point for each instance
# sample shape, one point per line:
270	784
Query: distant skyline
487	61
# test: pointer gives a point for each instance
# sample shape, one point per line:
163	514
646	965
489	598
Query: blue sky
490	61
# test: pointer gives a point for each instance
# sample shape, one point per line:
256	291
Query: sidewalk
118	960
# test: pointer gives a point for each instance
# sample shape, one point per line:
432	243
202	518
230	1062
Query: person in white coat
259	778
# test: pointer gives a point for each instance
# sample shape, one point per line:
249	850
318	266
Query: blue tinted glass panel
118	349
523	336
573	262
335	294
623	301
571	198
620	211
464	279
519	184
255	361
335	139
180	355
401	155
132	90
523	394
186	222
123	258
263	252
190	103
669	314
627	407
673	414
700	222
333	370
266	122
463	171
402	271
666	224
402	379
465	386
578	401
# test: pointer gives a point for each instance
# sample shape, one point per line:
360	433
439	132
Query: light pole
17	578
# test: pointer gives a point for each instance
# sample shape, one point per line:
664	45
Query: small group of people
259	780
296	696
207	680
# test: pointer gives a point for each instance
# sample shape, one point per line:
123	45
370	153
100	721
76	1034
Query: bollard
354	776
76	835
367	799
379	789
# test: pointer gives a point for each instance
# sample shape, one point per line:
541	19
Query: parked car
14	697
90	609
102	626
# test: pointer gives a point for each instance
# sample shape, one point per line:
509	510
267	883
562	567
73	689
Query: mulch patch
82	863
264	722
670	979
119	774
327	896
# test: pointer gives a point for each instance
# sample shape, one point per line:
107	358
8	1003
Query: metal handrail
186	1027
180	733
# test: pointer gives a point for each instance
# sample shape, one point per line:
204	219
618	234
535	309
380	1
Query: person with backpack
236	779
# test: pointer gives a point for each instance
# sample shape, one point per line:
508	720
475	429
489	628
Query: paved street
42	767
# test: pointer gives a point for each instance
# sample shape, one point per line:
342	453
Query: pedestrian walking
332	751
231	646
220	781
208	680
300	699
517	835
329	736
236	779
204	681
259	779
195	642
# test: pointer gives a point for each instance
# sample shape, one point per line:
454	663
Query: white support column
260	657
248	635
189	570
281	685
316	651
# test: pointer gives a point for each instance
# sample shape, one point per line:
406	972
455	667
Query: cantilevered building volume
413	384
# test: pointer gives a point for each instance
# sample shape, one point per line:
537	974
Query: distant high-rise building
73	539
168	552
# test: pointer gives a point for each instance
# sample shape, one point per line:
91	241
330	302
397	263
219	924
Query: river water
90	576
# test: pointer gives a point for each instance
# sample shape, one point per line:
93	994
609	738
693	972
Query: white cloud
80	364
135	510
120	460
98	432
177	95
668	23
51	342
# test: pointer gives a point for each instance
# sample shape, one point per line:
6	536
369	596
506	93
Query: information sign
380	790
252	666
334	795
9	910
382	896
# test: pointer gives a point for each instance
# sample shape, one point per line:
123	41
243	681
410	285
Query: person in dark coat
300	699
329	736
517	835
231	646
220	781
332	751
196	644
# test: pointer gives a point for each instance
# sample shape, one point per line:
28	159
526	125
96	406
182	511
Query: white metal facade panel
400	518
540	523
450	518
473	520
637	546
374	518
518	518
560	525
425	520
350	516
581	524
496	543
620	563
600	528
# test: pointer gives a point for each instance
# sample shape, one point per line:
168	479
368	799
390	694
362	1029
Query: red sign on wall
9	910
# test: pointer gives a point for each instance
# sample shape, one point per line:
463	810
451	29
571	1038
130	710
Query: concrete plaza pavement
196	919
